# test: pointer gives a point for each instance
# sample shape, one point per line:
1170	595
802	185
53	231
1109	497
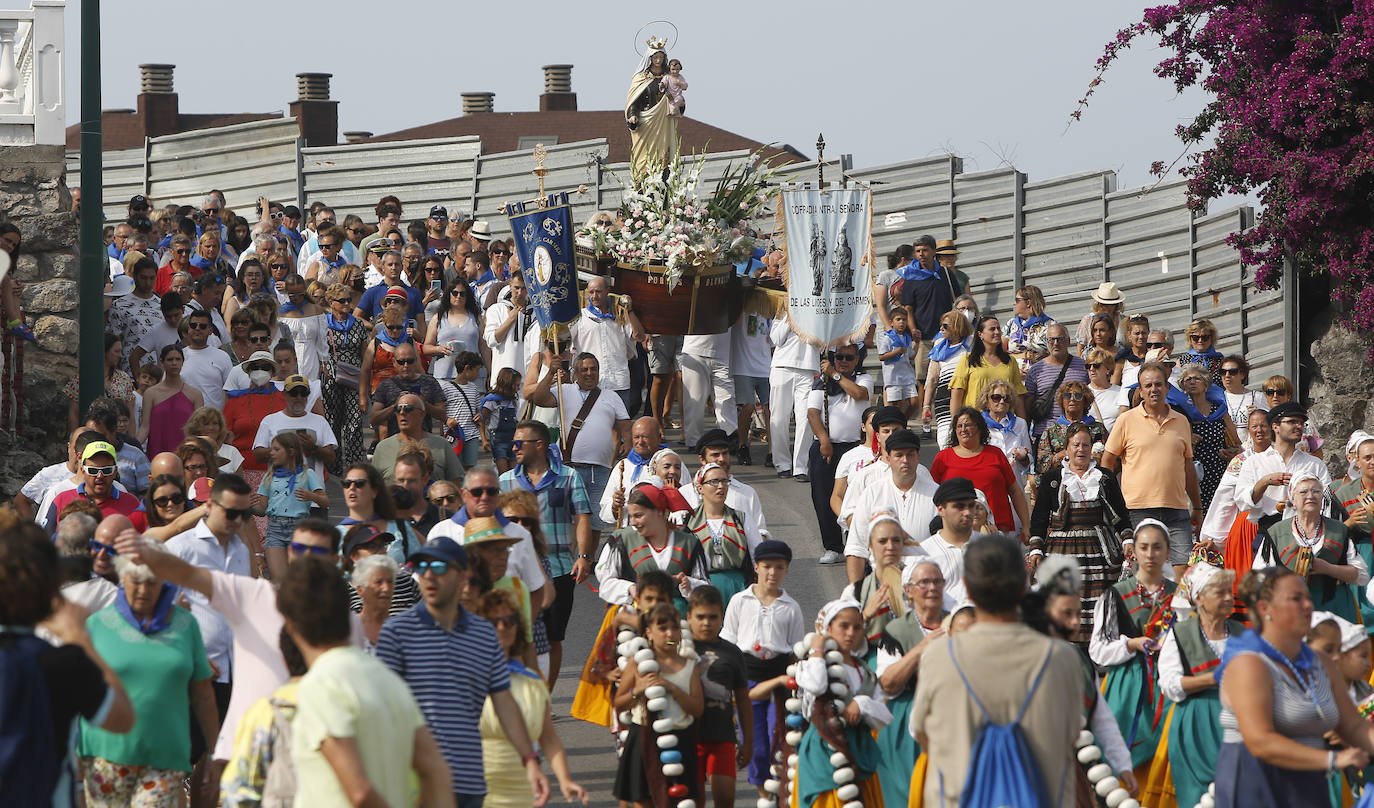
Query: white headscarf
830	610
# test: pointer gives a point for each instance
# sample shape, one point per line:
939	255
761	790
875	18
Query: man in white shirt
1265	476
140	311
704	373
511	331
795	365
318	441
852	474
598	333
955	499
751	361
205	368
207	293
645	438
908	491
594	429
714	447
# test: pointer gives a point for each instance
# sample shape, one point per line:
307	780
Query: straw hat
486	530
945	246
1108	294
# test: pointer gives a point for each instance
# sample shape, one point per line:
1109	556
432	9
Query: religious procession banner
829	261
544	243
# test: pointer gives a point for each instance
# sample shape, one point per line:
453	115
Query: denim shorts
279	530
746	387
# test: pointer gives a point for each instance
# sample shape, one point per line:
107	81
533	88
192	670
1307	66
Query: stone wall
1340	380
34	196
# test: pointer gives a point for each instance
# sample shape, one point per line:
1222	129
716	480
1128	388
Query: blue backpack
1002	771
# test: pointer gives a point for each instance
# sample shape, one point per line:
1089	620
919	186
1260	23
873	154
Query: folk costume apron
815	786
727	555
900	750
1132	688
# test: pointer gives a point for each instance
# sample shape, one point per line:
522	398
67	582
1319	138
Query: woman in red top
970	456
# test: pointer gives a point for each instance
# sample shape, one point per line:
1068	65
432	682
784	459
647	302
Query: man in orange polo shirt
1154	446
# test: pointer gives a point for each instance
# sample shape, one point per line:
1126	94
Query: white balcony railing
32	72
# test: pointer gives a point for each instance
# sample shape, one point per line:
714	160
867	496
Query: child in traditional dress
765	623
673	86
601	673
725	688
639	765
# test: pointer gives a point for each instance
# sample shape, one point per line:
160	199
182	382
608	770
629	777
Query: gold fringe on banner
780	227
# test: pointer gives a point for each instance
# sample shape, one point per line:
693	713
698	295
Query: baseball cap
139	202
120	285
96	447
953	489
772	548
440	549
293	382
260	356
438	212
902	439
362	534
396	291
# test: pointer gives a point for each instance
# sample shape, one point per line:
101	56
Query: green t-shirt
157	671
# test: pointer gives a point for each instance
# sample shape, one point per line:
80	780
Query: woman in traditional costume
1129	621
880	591
1227	525
1185	764
1317	548
1080	512
723	533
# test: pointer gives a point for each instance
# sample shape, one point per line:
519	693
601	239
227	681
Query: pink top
166	422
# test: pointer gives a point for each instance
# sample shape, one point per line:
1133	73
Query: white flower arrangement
666	222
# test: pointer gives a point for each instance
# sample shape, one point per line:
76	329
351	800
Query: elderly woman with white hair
666	465
1188	658
156	649
374	577
1316	547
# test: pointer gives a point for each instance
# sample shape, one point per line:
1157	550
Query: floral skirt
116	785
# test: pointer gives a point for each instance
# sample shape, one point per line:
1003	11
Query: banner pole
562	432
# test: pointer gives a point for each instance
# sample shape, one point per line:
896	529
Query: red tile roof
123	129
501	132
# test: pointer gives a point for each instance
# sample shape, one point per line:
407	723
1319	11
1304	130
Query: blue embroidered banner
544	243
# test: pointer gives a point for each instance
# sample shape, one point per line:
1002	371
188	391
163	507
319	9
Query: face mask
259	377
968	315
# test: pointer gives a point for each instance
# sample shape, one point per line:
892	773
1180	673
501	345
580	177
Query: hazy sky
993	82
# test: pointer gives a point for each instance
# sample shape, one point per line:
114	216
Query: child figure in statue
673	86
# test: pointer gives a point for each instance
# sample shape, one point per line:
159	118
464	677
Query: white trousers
701	377
788	389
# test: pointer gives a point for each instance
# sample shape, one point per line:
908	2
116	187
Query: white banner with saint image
829	262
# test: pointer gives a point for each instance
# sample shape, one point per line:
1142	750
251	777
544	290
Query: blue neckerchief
462	517
1202	356
336	263
1032	322
915	272
297	240
596	313
251	391
335	325
290	474
162	610
487	277
1306	664
201	263
166	241
517	667
1184	403
993	423
116	254
349	521
899	339
942	349
1063	420
499	399
640	461
389	340
288	307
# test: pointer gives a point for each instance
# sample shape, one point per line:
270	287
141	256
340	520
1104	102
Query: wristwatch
835	377
585	556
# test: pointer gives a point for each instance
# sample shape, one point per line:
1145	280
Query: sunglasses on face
259	341
436	567
1274	391
1056	339
324	246
402	409
169	500
1093	365
211	211
443	499
404	362
343	300
504	621
182	252
301	549
484	491
1200	338
1156	344
458	292
997	397
276	216
1073	396
234	514
198	326
499	252
100	547
846	357
517	443
1230	371
276	266
523	521
323	223
100	471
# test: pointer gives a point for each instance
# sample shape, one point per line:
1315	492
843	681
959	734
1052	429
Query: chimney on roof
558	93
474	103
315	114
157	101
356	137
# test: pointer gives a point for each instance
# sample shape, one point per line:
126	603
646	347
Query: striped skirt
1078	537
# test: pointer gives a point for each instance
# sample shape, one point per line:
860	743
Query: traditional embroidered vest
637	558
731	551
1133	613
1194	650
1349	496
901	634
1332	550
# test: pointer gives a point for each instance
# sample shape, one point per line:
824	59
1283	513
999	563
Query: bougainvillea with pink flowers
1291	118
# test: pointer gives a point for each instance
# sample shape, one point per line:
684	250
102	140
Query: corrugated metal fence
1064	234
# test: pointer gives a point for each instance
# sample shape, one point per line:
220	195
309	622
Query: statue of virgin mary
653	133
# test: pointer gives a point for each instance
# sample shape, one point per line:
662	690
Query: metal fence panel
507	177
1064	241
244	161
910	199
1218	291
1149	253
987	232
122	172
421	173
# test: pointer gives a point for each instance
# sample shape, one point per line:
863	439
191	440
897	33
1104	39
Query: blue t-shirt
371	301
281	496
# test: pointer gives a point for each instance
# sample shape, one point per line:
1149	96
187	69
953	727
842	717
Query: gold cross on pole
540	153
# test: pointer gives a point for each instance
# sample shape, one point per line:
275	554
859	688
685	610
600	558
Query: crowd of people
1039	612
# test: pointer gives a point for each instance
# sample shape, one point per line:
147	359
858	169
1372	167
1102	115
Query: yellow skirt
1157	786
918	782
870	794
593	700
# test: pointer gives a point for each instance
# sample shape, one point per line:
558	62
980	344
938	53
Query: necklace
1315	539
1303	681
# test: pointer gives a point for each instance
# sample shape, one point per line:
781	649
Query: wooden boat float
706	300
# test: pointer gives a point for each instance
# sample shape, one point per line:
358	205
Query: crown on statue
656	43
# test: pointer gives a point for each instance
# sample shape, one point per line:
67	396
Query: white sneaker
831	557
